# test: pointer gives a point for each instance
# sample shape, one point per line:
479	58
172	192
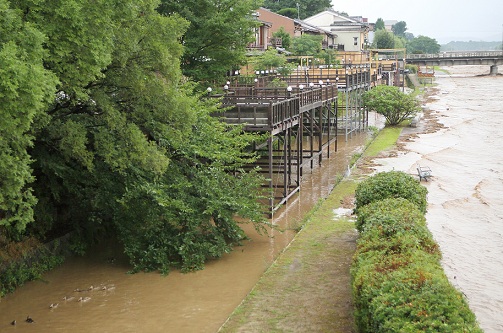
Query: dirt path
307	289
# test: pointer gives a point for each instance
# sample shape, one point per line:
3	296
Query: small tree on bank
393	104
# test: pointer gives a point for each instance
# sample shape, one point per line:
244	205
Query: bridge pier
494	70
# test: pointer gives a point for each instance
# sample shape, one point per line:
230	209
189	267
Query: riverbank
308	289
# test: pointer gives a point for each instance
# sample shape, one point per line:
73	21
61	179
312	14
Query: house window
355	41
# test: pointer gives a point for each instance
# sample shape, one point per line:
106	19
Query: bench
423	173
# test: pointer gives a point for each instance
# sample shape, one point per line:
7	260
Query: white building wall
325	20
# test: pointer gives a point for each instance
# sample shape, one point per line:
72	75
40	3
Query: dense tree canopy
216	39
379	24
306	8
286	39
289	12
383	40
307	44
101	128
423	44
399	28
25	88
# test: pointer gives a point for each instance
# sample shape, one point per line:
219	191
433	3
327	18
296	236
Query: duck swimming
53	305
68	298
13	322
83	299
29	320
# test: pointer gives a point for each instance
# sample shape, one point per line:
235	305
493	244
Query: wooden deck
301	121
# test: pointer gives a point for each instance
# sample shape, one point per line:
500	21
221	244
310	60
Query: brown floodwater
148	302
465	195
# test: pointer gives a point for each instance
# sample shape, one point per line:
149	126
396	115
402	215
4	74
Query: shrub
397	280
392	184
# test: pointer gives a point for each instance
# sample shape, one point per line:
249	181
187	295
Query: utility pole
298	11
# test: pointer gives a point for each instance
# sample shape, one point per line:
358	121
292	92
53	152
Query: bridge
490	58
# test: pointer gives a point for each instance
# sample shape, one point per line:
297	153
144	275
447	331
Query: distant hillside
471	46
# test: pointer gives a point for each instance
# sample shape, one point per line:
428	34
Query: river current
465	195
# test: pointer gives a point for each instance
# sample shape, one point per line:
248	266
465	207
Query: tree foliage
289	12
98	120
423	44
306	8
286	39
379	25
390	102
307	44
383	40
216	39
25	88
399	28
270	59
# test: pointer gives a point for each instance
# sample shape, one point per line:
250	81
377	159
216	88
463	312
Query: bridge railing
465	54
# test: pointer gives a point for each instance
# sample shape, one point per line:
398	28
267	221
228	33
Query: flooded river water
148	302
465	212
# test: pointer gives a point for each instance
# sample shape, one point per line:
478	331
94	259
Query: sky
443	20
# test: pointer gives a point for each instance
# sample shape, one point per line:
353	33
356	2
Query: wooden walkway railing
270	107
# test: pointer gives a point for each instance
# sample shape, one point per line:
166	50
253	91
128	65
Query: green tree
423	44
306	8
270	59
390	102
286	39
25	90
289	12
216	40
399	28
379	25
127	147
307	44
329	57
383	40
408	36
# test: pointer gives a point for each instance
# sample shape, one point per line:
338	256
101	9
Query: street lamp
209	90
311	85
301	87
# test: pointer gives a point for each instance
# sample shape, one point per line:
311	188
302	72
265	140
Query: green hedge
398	282
392	184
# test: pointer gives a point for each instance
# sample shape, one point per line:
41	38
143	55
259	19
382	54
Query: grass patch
308	285
386	139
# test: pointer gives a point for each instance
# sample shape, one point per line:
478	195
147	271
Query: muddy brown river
114	301
465	196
